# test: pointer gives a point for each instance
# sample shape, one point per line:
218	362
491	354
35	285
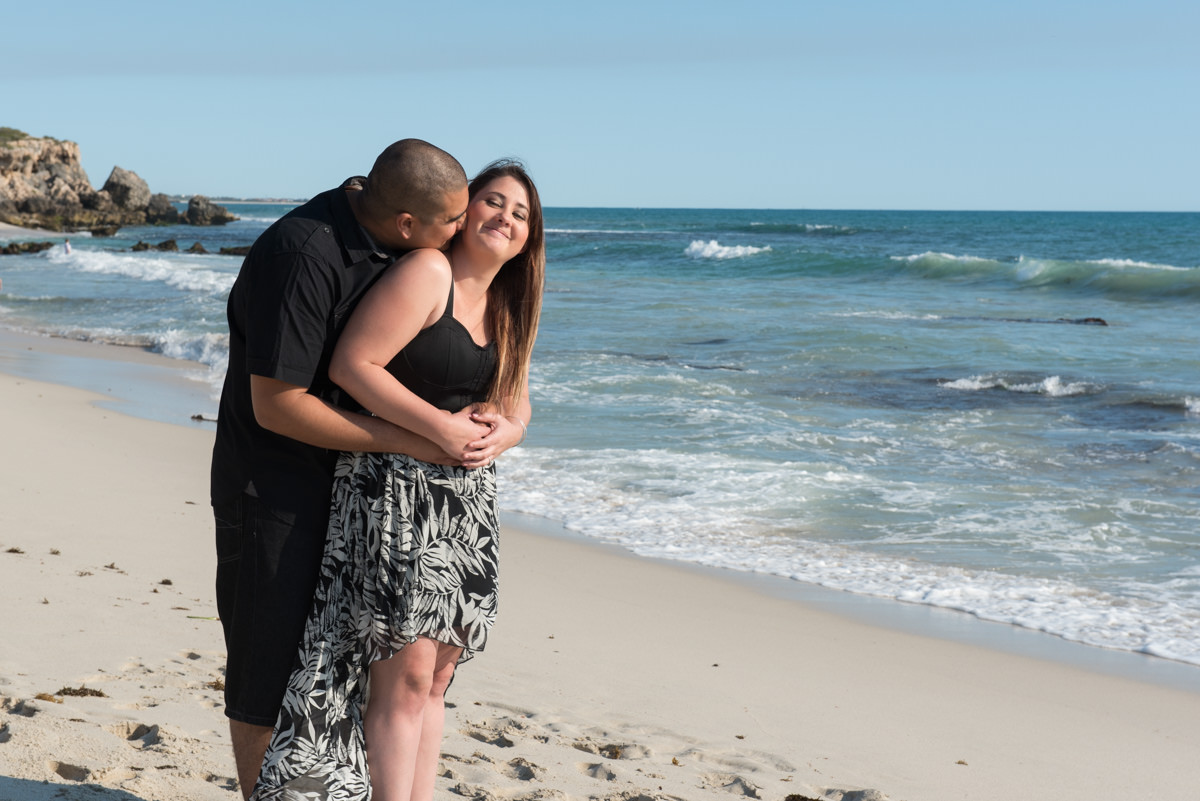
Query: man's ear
404	225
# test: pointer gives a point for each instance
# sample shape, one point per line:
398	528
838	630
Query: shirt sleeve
288	317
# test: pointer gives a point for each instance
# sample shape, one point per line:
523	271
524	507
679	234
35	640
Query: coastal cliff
43	185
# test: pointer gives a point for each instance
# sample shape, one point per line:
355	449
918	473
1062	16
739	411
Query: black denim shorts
267	566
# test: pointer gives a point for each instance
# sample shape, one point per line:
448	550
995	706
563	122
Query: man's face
444	226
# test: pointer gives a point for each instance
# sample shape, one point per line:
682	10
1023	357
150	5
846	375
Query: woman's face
498	217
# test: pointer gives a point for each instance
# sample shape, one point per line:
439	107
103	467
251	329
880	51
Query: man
279	427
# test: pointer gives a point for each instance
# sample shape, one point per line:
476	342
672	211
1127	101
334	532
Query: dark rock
197	248
43	185
240	250
168	246
98	201
127	190
161	211
38	205
13	248
202	211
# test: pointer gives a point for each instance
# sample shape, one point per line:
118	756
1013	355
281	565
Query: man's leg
249	745
268	560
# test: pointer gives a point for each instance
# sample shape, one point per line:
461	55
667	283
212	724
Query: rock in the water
43	185
169	245
127	190
202	211
161	211
13	248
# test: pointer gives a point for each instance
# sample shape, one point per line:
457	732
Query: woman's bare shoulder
423	260
424	269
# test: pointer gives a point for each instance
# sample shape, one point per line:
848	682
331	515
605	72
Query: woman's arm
410	296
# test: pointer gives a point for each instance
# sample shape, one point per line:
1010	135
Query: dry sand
607	677
9	231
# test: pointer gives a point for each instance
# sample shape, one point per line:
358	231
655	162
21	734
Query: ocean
997	413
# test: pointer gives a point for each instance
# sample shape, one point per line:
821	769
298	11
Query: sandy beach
607	677
9	231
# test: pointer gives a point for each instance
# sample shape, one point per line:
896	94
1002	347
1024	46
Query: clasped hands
473	437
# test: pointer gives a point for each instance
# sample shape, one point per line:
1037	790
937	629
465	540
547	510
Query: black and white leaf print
412	552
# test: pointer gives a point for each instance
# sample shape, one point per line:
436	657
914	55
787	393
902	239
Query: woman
408	584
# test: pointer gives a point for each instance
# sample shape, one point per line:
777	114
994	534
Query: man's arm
289	410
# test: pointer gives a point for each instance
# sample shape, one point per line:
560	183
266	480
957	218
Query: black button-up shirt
291	300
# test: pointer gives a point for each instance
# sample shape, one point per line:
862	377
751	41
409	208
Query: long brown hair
515	295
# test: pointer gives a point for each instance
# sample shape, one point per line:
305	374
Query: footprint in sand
139	735
491	738
730	783
72	773
742	760
855	795
521	769
611	750
597	770
504	732
475	769
114	776
23	708
224	782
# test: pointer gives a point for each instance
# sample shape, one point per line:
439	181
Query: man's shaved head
412	176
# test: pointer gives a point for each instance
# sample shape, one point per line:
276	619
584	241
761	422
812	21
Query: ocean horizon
991	412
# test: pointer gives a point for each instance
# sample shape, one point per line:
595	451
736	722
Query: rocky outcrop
127	189
14	248
43	185
202	211
169	246
161	211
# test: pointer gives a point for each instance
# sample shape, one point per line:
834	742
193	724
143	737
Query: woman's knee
443	673
408	675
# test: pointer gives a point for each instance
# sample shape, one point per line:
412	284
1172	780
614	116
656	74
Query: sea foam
667	523
712	249
1053	386
180	271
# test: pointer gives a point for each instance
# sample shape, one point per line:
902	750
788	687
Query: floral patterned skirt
411	552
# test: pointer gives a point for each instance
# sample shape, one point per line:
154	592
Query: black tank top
443	365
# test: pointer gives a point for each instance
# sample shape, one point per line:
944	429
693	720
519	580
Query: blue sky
912	104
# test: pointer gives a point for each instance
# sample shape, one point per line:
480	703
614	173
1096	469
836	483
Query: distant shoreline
241	201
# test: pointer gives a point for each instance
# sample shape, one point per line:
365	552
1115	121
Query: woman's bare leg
403	720
429	751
